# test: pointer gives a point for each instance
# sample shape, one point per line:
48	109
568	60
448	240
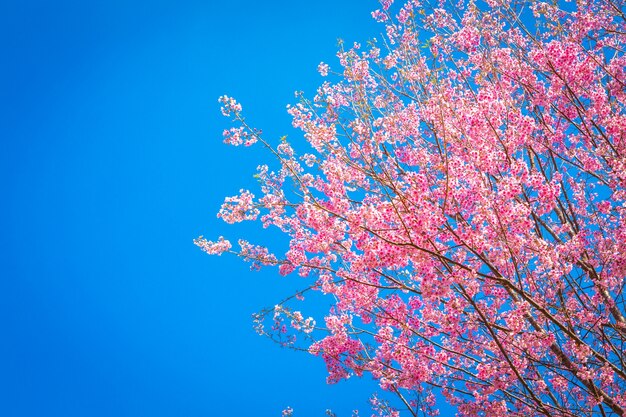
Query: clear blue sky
111	162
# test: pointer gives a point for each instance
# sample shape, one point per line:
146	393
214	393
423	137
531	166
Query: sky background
111	162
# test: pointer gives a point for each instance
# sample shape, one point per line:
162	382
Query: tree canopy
462	203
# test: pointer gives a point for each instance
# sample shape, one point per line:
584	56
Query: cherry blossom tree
461	201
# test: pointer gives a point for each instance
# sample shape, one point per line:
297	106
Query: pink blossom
239	136
213	248
239	208
323	68
229	106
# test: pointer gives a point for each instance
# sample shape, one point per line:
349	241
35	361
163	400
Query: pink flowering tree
462	203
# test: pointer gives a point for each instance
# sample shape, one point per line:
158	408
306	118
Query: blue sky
111	162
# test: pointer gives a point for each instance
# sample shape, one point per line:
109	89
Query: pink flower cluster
213	248
323	68
239	136
239	208
258	255
229	106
